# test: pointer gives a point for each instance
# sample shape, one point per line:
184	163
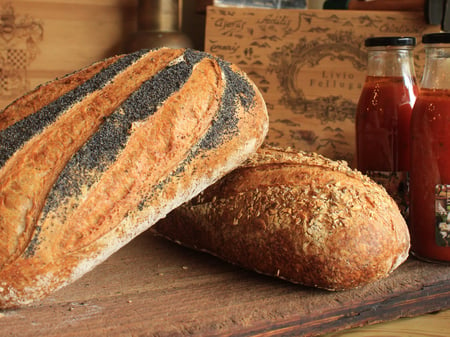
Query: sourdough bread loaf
89	161
296	216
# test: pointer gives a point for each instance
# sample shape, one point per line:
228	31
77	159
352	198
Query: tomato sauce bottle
430	155
384	113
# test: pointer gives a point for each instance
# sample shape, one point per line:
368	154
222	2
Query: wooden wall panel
41	40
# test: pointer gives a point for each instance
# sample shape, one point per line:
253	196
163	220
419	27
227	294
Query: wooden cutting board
153	287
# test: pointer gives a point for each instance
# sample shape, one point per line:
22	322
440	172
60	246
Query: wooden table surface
153	287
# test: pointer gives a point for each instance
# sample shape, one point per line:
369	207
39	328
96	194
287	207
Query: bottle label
442	212
396	185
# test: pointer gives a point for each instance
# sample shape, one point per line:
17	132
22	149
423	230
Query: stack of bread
91	160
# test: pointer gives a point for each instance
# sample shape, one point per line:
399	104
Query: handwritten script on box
310	66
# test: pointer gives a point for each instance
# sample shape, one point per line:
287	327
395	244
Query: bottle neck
390	61
436	73
159	15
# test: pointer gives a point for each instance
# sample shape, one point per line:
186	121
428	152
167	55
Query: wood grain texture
152	287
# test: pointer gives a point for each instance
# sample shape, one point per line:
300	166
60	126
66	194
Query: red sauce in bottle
383	122
430	155
430	175
384	113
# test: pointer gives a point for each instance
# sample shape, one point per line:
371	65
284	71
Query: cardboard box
310	66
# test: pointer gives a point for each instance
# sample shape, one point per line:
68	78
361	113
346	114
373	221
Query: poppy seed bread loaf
89	161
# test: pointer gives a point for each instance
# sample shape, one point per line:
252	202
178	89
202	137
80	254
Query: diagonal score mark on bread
13	137
101	166
173	130
29	174
47	93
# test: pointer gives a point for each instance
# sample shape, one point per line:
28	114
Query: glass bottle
384	113
430	154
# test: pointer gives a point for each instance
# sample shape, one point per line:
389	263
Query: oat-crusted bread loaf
297	216
89	161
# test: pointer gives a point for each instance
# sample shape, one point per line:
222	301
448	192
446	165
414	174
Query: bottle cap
390	41
436	38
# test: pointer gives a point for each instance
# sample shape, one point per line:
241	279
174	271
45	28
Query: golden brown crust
297	216
48	92
151	131
29	175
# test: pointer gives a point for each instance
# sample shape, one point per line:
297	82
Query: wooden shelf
155	287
